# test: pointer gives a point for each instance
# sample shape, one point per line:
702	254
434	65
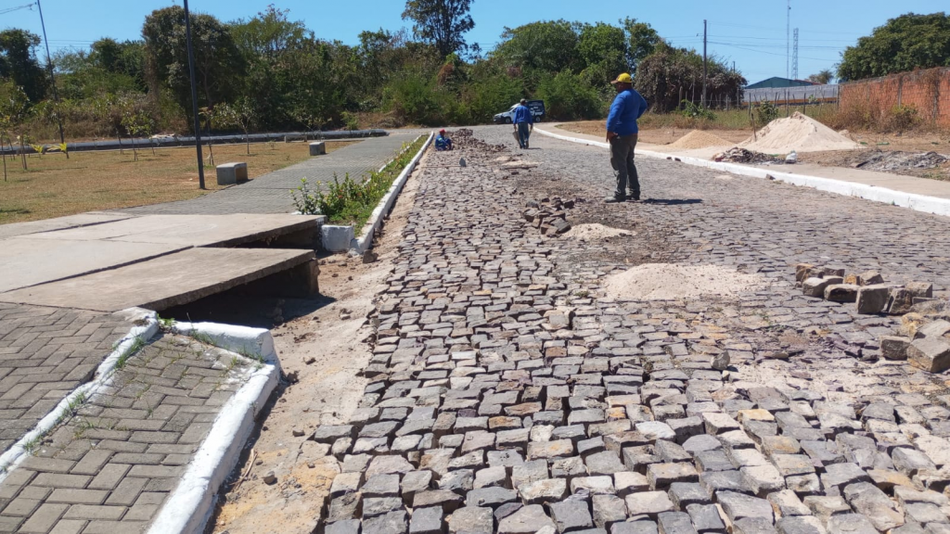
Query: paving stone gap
508	394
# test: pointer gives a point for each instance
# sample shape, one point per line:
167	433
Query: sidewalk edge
190	505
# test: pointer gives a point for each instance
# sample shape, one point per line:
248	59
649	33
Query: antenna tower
795	55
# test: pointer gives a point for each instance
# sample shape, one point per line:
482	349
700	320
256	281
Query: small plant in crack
136	345
33	445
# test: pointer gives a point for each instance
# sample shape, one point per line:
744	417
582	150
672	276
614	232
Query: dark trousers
523	133
621	159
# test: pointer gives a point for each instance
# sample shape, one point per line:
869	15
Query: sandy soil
666	281
324	351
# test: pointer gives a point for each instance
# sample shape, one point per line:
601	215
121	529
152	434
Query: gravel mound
665	281
699	139
799	133
594	232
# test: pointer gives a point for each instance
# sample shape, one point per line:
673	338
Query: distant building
776	82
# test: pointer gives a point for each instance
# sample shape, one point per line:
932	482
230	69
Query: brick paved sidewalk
508	395
110	467
271	193
45	353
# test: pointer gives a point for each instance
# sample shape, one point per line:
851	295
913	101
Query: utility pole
52	79
704	64
194	98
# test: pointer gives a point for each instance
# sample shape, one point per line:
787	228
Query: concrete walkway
271	193
894	182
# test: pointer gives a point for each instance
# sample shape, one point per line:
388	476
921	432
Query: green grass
735	119
124	357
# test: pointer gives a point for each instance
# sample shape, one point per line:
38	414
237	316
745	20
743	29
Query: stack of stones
926	346
549	215
868	290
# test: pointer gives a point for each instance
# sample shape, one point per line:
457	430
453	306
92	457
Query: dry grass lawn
55	186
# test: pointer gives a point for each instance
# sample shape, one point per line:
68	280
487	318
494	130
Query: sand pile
699	139
594	232
665	281
799	133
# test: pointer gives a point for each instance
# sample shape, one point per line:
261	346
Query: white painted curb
365	241
103	378
923	203
190	505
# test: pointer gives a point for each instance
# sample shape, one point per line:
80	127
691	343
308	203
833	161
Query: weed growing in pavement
137	344
353	201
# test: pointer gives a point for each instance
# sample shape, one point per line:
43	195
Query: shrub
901	118
567	97
695	111
765	112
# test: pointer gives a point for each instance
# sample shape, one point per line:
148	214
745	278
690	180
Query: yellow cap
623	78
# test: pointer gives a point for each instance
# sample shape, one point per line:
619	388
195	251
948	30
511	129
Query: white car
507	117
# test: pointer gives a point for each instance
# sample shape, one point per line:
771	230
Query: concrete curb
922	203
191	503
103	378
365	241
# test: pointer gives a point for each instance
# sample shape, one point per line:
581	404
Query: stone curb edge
365	241
190	505
103	378
922	203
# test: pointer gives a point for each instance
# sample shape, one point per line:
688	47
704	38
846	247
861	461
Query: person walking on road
622	134
523	121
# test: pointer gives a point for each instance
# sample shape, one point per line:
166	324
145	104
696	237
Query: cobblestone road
271	193
44	354
509	395
110	467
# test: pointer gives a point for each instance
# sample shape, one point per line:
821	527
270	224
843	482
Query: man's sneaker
612	200
634	196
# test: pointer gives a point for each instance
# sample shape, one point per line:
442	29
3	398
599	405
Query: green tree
240	115
822	77
642	40
440	22
568	97
603	48
18	62
549	46
670	76
904	43
269	34
217	60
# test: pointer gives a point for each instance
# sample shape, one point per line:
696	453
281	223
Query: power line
17	8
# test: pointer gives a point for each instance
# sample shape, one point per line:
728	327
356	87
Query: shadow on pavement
672	201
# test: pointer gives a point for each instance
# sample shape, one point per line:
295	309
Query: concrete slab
192	230
163	282
60	223
27	260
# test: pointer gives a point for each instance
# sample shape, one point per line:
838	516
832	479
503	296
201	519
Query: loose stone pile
504	400
549	215
868	289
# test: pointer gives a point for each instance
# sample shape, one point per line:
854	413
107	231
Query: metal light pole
49	65
194	98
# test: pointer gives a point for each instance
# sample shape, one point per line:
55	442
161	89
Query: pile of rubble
898	160
741	155
465	138
549	215
868	290
924	339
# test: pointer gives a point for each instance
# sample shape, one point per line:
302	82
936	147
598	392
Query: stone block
938	328
675	523
894	347
842	293
649	503
923	290
930	354
318	148
870	278
231	173
868	500
873	299
571	514
335	238
850	524
815	287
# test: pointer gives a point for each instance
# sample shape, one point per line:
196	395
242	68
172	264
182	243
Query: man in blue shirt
442	142
622	132
522	121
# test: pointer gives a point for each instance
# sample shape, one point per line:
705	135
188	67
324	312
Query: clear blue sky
749	32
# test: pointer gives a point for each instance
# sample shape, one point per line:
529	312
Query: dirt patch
799	133
594	232
699	139
325	351
664	281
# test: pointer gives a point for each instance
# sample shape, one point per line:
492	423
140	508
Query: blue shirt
624	112
523	114
443	143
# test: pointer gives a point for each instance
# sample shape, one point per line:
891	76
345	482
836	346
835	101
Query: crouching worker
442	142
